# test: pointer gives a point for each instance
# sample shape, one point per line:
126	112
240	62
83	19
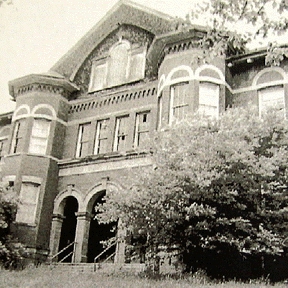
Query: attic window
123	65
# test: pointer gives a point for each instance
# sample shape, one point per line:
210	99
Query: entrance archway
68	229
99	232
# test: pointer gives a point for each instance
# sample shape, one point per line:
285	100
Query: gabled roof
124	12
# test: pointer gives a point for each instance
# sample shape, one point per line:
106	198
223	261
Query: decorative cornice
42	88
128	95
51	82
184	45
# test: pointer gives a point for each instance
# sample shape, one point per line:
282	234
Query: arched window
269	83
118	64
124	64
43	114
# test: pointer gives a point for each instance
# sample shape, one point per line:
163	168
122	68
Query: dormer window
124	64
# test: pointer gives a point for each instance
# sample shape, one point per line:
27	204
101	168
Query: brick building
78	129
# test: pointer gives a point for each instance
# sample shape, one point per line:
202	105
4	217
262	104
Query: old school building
78	129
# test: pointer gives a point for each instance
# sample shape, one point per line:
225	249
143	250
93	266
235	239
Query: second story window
19	134
141	129
179	102
272	97
39	136
209	99
121	133
82	148
101	137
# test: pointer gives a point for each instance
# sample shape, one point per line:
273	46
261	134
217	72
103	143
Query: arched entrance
68	229
99	232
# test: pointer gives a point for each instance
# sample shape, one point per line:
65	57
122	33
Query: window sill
26	224
137	153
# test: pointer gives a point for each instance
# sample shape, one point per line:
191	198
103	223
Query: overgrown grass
45	277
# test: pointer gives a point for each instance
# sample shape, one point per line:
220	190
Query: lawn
45	277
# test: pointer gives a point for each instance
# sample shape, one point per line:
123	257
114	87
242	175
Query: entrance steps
106	268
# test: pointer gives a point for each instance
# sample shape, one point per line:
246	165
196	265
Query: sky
35	34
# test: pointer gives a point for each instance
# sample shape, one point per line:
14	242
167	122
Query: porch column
81	237
55	235
121	243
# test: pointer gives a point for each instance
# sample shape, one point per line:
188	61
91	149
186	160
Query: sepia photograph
143	143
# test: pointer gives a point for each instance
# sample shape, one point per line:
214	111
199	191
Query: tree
217	193
5	2
234	25
11	251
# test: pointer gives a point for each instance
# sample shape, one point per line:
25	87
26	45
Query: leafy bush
217	194
10	250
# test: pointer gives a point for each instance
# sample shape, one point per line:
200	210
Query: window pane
19	136
101	137
179	102
272	97
118	65
141	129
39	136
3	146
209	99
98	77
82	148
102	146
137	66
41	128
121	132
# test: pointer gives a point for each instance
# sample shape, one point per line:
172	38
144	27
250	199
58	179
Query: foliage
218	190
234	25
8	2
10	250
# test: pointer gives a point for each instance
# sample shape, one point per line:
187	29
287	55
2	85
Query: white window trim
160	111
79	139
